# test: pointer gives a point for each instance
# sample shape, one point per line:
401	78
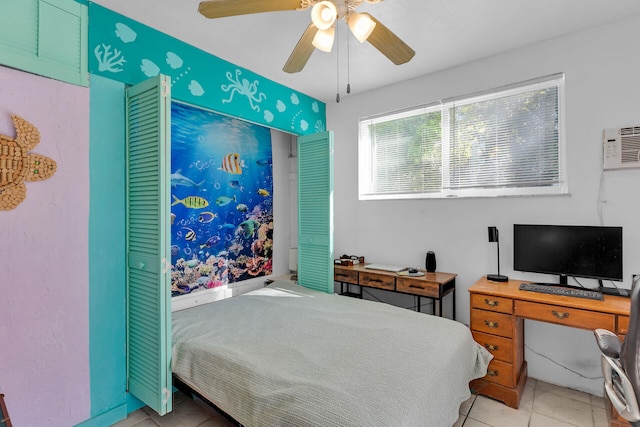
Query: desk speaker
430	262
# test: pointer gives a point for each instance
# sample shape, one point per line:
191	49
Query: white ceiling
444	33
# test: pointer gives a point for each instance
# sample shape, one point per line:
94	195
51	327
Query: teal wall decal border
130	52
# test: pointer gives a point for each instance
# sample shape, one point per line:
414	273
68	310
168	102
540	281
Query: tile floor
542	405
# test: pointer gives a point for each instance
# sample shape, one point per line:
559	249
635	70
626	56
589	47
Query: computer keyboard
564	290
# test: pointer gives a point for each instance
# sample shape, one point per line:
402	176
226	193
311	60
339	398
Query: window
504	142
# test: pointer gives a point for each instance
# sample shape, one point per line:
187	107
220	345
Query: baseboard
106	419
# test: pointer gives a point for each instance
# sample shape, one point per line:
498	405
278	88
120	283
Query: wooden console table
432	285
497	313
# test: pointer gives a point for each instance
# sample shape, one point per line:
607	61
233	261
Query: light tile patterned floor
542	405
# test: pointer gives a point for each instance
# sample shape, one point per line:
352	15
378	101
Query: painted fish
227	226
263	192
263	162
191	235
231	163
178	179
242	207
248	227
206	217
211	241
196	88
224	200
124	33
192	263
149	68
192	202
174	60
236	185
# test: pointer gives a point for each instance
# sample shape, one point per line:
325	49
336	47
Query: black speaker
430	262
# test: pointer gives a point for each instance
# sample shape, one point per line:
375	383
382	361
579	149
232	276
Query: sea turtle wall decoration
17	165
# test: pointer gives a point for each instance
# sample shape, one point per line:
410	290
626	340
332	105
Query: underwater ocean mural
221	200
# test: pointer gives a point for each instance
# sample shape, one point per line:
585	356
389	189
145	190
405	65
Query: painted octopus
243	88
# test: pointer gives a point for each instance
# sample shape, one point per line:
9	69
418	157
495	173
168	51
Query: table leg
453	302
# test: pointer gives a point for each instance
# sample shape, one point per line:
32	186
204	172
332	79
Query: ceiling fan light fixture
324	14
361	26
323	40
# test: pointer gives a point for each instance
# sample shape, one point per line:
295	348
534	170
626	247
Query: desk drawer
501	348
381	281
346	276
489	302
417	287
492	323
501	373
623	325
576	318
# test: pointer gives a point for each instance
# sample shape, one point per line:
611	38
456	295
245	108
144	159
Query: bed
286	355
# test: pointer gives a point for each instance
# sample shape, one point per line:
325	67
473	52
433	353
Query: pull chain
348	66
337	65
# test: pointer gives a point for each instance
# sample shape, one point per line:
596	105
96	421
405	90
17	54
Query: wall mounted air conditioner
621	148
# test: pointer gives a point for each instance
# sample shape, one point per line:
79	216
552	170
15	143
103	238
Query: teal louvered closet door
148	253
315	211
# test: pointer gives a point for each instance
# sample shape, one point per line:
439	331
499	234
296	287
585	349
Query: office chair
621	364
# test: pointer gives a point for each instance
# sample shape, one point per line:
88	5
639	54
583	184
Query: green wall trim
130	52
106	419
133	403
107	274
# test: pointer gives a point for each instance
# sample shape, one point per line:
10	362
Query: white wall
602	90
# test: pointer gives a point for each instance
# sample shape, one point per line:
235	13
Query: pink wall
44	286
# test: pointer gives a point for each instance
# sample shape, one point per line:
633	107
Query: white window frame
365	159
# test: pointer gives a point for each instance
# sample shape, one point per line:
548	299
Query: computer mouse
412	271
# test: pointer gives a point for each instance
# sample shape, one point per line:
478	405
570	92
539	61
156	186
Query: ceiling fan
320	32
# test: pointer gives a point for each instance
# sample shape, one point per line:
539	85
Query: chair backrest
630	350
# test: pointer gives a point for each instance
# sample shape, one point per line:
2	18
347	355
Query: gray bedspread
289	356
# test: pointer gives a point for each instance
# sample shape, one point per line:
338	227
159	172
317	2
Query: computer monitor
568	250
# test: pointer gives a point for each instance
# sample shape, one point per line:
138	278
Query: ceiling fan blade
223	8
389	44
302	52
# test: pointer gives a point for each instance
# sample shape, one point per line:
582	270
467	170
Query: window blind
406	151
506	141
502	142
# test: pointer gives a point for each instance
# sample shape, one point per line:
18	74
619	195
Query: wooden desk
432	285
497	313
